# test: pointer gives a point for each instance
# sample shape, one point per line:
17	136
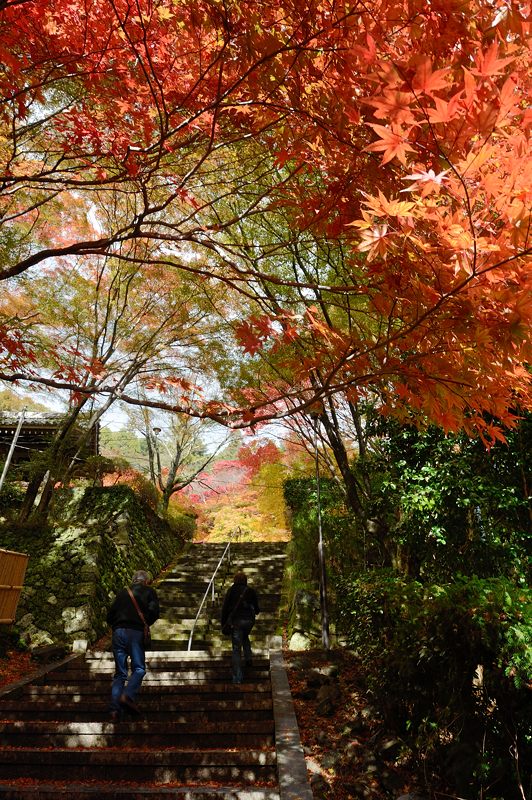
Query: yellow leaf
164	13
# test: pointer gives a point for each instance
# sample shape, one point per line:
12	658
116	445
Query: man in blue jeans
240	607
128	641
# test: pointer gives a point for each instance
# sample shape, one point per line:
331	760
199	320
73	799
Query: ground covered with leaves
16	666
350	754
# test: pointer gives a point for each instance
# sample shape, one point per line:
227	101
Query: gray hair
141	576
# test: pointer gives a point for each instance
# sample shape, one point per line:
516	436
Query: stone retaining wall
98	538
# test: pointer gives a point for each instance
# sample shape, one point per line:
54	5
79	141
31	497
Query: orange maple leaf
488	65
367	54
425	182
508	99
445	111
381	206
392	105
427	81
393	143
248	338
373	241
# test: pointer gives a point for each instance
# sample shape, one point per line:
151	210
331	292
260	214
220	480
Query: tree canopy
349	187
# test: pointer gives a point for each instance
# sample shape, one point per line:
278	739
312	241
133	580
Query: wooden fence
12	571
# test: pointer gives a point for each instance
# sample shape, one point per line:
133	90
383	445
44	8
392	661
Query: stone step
96	709
174	597
165	625
176	693
123	791
100	713
140	733
156	666
216	643
267	618
268	597
255	568
260	647
169	610
157	659
165	656
183	587
171	654
202	565
212	638
152	677
156	701
163	766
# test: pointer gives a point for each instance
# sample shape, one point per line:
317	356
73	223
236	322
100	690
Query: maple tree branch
12	3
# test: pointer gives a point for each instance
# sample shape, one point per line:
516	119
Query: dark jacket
246	609
123	613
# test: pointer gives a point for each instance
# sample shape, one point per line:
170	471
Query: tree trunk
46	496
32	491
170	485
357	500
56	462
342	460
151	458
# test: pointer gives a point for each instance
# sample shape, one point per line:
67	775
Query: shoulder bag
147	634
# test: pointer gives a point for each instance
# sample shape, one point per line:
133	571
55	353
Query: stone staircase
199	736
182	591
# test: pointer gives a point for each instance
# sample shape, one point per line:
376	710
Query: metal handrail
210	586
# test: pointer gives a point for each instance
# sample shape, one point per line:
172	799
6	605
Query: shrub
181	521
146	491
11	496
10	640
451	661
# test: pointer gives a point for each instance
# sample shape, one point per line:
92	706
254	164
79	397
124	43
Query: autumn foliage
394	136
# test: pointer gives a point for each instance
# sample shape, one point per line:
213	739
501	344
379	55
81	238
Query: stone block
299	641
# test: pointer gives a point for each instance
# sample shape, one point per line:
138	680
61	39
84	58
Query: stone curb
291	764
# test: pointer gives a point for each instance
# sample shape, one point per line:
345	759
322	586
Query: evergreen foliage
434	600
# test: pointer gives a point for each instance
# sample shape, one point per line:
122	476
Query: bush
181	521
10	640
448	665
11	496
96	467
146	491
338	526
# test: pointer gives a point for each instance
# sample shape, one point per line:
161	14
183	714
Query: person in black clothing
128	641
240	607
